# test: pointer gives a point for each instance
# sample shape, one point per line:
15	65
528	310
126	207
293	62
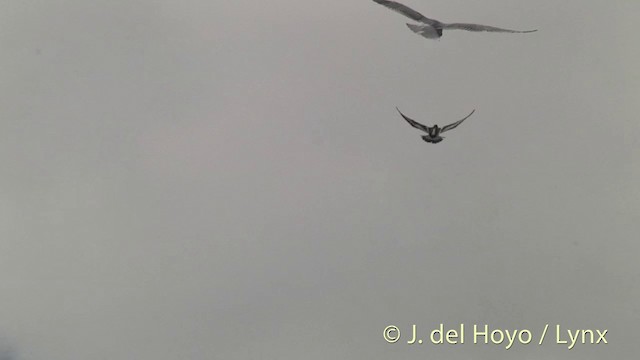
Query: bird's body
427	31
433	132
432	29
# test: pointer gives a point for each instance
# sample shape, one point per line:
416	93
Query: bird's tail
432	140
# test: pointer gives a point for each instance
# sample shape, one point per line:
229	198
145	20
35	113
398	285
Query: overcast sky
204	179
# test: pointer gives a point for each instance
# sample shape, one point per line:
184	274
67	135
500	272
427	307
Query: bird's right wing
478	27
414	123
408	12
455	124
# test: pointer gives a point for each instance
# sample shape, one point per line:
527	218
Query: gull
433	132
432	29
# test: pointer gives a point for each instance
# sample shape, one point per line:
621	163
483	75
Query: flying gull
433	132
432	29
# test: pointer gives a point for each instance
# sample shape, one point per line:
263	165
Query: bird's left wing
455	124
407	11
477	27
414	123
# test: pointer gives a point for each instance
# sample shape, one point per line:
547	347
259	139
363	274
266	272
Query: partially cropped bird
433	132
432	29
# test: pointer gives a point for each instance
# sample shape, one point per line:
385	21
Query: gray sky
203	179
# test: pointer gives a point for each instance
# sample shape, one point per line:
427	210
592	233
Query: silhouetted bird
432	29
433	132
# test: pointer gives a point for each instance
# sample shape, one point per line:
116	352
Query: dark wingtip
471	113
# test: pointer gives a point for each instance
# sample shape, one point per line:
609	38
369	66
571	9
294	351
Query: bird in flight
433	132
432	29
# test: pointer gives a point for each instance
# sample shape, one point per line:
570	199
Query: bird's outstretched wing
477	27
408	12
414	123
455	124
